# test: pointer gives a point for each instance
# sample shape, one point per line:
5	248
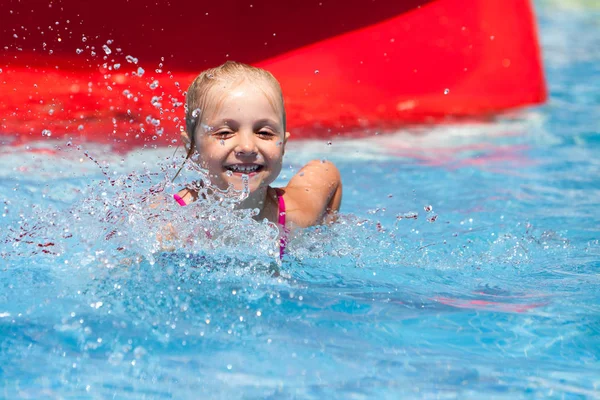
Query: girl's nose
246	144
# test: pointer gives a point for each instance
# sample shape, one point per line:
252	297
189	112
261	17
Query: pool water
465	264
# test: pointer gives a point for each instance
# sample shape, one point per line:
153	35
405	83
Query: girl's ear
185	138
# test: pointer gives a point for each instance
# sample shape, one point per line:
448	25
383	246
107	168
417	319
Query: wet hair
199	90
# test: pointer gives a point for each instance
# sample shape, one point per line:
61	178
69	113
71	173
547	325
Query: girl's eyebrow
267	121
232	123
227	121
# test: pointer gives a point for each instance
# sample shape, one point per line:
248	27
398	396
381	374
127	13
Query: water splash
134	217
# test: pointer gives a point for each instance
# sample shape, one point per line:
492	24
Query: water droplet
410	215
222	142
229	173
106	49
316	71
80	128
117	66
140	71
51	111
156	101
46	132
446	91
131	59
139	352
196	113
329	143
428	208
97	305
79	51
154	85
83	39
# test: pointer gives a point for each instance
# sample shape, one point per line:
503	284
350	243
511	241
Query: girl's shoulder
313	193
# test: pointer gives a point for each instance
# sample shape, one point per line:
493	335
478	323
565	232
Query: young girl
236	126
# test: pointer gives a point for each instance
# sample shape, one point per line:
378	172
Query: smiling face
241	133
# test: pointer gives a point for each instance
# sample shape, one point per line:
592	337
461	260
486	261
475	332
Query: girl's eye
223	133
266	133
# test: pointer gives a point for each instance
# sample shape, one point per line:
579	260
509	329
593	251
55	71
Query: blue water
493	293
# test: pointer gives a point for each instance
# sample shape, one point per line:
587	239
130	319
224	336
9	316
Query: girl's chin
238	184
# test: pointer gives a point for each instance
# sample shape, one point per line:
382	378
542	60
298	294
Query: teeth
240	168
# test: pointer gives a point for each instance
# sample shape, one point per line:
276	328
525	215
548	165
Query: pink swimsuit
280	218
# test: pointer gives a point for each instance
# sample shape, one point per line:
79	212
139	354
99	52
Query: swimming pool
492	293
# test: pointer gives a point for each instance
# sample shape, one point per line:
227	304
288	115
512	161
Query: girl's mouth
244	169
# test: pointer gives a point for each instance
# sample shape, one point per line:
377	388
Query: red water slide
116	71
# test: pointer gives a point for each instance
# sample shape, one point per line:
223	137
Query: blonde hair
198	92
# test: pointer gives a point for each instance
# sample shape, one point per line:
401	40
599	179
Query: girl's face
241	133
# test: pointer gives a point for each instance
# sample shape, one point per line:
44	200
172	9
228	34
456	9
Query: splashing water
135	215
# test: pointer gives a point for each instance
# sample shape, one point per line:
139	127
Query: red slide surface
116	71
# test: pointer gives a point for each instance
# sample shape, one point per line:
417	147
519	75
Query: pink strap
281	221
179	200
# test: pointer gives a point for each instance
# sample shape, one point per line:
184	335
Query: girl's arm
313	194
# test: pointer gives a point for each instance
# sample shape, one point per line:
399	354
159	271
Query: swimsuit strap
281	218
179	200
281	221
